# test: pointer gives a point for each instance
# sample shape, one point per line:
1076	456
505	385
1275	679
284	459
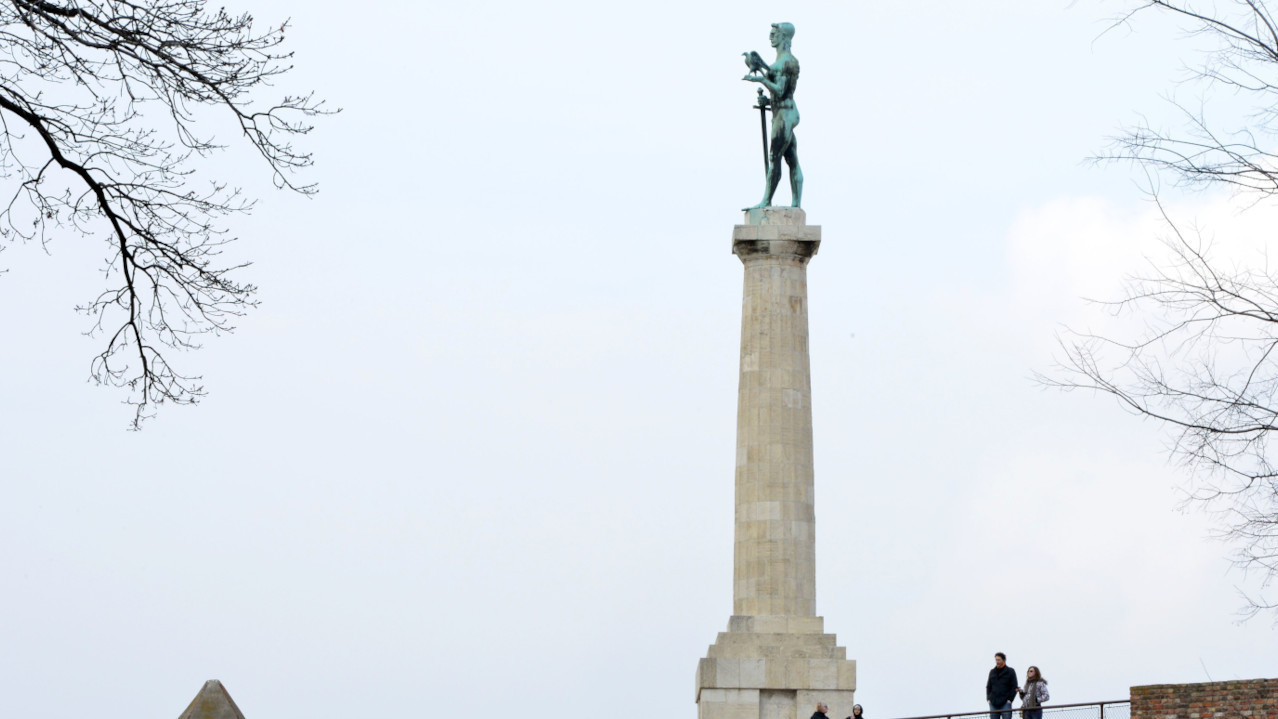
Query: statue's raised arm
780	78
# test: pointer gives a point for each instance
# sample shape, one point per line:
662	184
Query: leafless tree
1207	367
102	104
1207	364
1244	61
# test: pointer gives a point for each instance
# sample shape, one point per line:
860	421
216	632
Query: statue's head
782	33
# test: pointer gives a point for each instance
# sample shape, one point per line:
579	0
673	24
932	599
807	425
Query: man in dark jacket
821	709
1000	688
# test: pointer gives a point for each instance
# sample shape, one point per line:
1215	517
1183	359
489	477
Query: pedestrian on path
1000	688
1033	694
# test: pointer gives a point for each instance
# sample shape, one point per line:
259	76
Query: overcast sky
474	453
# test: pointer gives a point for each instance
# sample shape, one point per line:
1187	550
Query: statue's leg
770	181
796	173
774	179
776	152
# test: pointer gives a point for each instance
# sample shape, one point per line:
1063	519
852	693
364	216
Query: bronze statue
780	79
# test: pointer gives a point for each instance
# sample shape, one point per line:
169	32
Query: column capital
776	231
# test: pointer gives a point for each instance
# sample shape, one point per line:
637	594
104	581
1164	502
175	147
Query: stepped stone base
774	667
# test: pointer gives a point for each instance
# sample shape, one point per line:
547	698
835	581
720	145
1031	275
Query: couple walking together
1001	688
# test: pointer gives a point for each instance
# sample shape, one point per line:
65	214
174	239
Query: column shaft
775	550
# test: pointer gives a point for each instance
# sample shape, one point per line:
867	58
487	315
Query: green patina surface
780	79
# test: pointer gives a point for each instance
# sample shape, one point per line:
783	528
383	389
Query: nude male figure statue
780	79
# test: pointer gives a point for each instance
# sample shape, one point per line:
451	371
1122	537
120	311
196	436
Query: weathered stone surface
775	661
776	231
775	557
776	216
791	233
728	704
847	676
213	702
775	624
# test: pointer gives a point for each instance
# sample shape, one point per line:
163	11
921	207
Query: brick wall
1251	699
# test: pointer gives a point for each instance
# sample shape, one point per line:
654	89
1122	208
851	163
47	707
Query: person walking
857	712
1000	688
821	709
1033	694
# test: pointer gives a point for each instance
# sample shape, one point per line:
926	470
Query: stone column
775	661
775	553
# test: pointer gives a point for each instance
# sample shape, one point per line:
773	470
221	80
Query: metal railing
1121	709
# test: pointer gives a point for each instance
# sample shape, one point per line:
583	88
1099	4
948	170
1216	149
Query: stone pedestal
775	661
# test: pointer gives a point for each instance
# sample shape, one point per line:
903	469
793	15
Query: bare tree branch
1206	365
1245	61
99	101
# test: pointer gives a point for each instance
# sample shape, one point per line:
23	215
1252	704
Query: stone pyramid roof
212	703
